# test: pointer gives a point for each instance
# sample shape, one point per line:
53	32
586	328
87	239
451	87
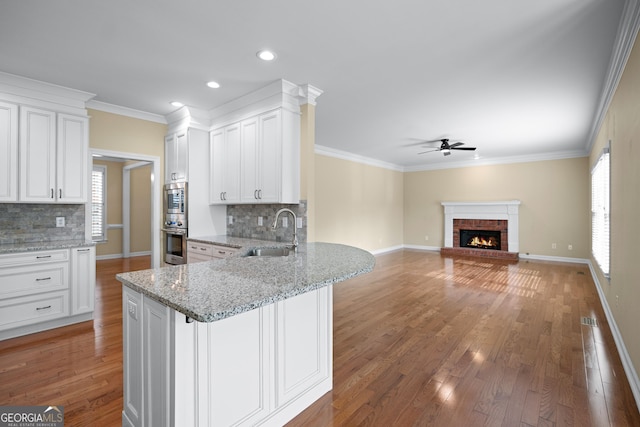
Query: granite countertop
237	242
9	248
214	290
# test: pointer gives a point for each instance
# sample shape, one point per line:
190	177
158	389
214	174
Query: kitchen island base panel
261	367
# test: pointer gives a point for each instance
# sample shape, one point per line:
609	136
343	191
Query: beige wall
113	132
554	199
622	128
357	204
140	216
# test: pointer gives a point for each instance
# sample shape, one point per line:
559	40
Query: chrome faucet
295	226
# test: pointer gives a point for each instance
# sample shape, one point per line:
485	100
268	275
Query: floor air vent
589	321
581	273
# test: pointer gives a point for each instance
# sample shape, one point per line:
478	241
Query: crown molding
540	157
41	94
308	94
126	111
627	33
344	155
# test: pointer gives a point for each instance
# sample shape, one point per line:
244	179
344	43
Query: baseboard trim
627	364
116	256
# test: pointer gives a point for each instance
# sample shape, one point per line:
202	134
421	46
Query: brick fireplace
485	222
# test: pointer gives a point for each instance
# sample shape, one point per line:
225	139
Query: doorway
133	165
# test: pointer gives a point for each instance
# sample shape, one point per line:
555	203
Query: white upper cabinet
176	157
37	155
225	165
72	159
268	160
8	152
53	166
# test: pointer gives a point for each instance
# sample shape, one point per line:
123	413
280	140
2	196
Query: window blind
600	217
98	203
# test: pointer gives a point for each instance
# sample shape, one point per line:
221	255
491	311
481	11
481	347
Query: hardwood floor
78	366
426	340
423	340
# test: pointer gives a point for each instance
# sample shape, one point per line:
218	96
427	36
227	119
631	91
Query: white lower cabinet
83	280
200	252
261	367
42	290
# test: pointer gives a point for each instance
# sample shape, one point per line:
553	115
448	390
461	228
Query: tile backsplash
26	223
245	222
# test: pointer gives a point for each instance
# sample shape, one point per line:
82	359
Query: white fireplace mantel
483	210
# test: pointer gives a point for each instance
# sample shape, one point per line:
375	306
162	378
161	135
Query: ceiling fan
446	148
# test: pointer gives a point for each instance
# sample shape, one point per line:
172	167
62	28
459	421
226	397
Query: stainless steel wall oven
175	228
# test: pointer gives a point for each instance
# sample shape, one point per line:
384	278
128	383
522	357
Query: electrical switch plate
230	219
570	247
259	220
299	222
285	221
59	221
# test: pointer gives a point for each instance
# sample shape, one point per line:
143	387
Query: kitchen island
245	340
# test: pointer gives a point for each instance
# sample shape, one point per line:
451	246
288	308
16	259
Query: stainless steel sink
270	252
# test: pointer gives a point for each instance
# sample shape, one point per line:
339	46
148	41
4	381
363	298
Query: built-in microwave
175	198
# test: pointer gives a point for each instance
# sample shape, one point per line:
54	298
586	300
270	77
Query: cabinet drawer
199	248
31	279
193	257
222	251
35	257
23	311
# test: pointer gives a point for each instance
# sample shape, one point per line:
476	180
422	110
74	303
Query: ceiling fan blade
463	148
429	151
456	144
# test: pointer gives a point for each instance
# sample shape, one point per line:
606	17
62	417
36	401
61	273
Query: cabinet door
176	157
269	156
225	165
83	279
8	152
303	343
249	161
169	158
72	159
216	163
37	155
232	164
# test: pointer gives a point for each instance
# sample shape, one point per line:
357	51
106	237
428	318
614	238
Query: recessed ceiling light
213	85
177	104
266	55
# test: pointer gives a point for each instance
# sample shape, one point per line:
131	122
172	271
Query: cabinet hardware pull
84	250
255	194
259	194
61	193
43	256
43	278
221	198
222	252
52	193
43	308
203	249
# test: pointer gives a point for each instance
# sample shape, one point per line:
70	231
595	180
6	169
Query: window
98	203
600	212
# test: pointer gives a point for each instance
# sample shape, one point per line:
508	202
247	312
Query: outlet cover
285	222
59	221
260	220
299	222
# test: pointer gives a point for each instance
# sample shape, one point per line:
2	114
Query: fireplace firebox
480	239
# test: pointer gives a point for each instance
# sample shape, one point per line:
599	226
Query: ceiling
517	80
